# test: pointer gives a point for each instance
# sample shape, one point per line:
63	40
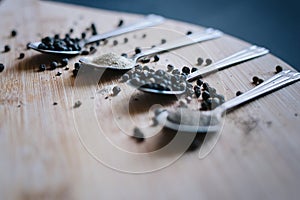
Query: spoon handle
246	54
150	20
208	34
277	81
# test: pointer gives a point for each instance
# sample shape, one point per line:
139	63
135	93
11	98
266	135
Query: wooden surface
58	152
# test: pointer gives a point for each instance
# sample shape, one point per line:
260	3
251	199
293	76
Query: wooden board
57	152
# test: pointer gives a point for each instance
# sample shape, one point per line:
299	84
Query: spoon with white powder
116	62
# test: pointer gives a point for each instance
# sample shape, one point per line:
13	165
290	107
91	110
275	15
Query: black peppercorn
1	67
255	79
115	42
64	62
199	61
208	61
170	67
120	22
185	70
137	50
278	68
94	30
83	35
163	41
156	58
199	82
13	33
6	48
85	52
125	40
238	93
58	74
42	67
53	65
205	95
21	56
189	33
205	86
194	69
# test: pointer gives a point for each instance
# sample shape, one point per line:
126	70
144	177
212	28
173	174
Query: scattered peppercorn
121	22
186	70
71	30
116	90
115	42
194	69
83	35
205	95
189	33
138	135
278	69
77	104
125	40
58	74
144	35
2	67
13	33
21	56
199	82
156	58
55	103
137	50
53	65
124	55
6	48
94	30
208	61
77	65
255	79
145	60
200	61
64	62
238	93
93	49
42	67
85	52
163	41
170	67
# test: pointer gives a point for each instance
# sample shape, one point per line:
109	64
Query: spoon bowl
244	55
191	121
208	34
148	21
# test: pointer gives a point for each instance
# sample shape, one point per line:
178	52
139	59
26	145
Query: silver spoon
210	121
208	34
244	55
148	21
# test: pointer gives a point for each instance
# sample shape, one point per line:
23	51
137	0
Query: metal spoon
149	20
244	55
210	121
208	34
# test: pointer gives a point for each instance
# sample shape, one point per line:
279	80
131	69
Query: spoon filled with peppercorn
116	62
74	46
174	83
185	120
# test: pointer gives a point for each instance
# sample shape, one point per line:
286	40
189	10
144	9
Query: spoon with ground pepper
185	120
243	55
70	46
111	61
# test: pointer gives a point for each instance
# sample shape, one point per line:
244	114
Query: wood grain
56	152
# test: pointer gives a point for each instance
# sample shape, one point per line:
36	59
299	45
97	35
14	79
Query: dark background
272	24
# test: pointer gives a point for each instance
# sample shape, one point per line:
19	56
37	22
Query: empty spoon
244	55
208	34
149	20
185	120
